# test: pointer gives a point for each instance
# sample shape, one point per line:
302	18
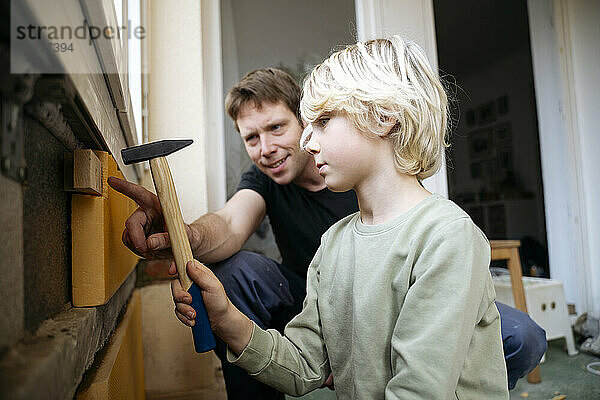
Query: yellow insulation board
118	371
100	260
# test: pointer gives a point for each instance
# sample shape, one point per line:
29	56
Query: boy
400	302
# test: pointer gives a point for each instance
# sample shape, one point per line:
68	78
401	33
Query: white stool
546	305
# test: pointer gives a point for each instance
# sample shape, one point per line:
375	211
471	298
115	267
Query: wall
175	97
172	368
11	258
46	344
46	228
213	109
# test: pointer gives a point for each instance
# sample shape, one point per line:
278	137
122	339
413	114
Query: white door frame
567	221
414	20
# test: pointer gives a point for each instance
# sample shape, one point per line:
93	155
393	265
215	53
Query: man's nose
267	146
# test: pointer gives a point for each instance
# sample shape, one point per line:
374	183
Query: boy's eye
323	121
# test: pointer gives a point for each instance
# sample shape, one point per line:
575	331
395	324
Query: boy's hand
213	294
145	233
227	322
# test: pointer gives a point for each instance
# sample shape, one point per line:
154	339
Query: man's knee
524	342
520	333
242	270
230	266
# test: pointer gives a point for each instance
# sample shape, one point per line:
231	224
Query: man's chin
281	178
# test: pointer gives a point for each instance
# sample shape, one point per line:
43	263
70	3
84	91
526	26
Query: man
284	184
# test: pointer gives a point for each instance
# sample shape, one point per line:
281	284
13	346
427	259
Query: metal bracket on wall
12	132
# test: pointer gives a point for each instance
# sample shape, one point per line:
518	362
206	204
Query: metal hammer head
148	151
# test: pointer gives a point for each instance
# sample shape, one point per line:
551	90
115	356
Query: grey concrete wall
46	228
51	363
11	261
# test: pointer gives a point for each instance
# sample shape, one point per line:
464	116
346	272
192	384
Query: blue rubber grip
204	339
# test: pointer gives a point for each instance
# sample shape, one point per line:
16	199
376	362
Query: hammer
156	153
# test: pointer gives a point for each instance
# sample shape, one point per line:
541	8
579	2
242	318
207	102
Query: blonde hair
385	87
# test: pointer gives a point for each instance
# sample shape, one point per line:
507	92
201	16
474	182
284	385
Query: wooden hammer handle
180	244
204	339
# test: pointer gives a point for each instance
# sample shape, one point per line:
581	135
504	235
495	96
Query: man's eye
251	139
276	127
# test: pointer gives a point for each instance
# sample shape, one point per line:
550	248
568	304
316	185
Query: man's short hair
266	85
386	87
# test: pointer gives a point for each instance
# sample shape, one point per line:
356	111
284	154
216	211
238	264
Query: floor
561	376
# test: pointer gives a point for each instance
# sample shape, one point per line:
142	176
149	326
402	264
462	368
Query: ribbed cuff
257	353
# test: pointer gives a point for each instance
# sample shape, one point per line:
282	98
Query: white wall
564	40
175	97
412	19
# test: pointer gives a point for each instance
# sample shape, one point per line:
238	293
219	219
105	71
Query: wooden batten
100	260
118	371
87	172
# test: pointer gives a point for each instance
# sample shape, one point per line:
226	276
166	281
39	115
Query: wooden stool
509	250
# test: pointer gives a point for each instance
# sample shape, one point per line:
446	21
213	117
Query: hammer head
148	151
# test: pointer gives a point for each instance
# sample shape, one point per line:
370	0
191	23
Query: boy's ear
394	128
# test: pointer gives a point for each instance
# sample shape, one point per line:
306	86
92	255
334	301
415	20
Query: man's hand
145	232
225	319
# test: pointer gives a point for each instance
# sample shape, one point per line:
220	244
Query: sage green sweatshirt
400	310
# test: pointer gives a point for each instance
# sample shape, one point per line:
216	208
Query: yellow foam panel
101	262
118	371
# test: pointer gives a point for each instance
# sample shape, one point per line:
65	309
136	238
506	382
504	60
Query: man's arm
213	237
219	235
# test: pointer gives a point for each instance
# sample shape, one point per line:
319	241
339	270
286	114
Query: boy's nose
313	147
